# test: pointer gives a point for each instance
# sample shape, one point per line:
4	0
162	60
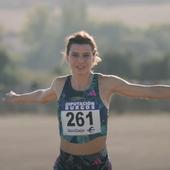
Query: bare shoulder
110	78
60	79
111	82
108	84
58	84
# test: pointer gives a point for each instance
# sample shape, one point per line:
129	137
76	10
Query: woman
83	103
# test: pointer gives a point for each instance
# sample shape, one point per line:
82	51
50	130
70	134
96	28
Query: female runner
83	99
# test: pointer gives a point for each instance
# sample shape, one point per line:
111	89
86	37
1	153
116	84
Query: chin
81	72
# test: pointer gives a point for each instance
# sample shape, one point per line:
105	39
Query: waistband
101	154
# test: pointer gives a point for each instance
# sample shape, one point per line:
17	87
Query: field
135	142
134	15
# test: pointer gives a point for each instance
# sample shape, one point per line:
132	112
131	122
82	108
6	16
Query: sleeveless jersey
82	115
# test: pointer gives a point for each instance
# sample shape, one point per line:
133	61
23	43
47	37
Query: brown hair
82	37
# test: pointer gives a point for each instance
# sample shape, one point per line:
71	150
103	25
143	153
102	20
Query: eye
86	55
75	55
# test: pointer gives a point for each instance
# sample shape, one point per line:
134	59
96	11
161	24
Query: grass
135	142
136	15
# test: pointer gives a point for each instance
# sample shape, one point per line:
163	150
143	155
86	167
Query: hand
9	97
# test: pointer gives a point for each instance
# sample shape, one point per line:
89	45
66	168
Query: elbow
40	97
44	97
43	101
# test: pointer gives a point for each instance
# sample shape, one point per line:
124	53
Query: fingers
8	97
11	93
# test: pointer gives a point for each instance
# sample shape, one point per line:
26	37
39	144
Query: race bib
80	122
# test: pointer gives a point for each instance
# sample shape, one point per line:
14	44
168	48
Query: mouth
80	67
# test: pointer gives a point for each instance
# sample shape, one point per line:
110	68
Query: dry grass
139	15
133	15
140	142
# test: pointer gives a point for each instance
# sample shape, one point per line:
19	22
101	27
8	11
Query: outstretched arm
38	96
123	87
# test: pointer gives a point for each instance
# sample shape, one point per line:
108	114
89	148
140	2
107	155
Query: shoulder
58	83
60	79
111	82
108	78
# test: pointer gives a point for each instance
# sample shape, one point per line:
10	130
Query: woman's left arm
123	87
147	91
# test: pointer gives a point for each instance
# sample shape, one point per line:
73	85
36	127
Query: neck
81	82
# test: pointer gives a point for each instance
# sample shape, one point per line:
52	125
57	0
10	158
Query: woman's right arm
37	96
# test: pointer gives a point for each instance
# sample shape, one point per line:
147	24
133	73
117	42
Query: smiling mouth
80	67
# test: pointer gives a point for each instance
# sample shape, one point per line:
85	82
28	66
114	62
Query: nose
81	59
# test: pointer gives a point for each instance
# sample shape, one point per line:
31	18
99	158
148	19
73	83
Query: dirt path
137	142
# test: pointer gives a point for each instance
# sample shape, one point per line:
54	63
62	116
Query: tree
41	36
7	73
73	16
156	69
4	60
35	27
117	63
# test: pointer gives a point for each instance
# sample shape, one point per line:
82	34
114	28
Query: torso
91	146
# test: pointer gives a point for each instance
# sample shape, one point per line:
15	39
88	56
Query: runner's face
80	58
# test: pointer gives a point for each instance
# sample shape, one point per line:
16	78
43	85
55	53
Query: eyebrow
76	52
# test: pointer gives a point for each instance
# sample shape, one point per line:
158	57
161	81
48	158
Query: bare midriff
91	147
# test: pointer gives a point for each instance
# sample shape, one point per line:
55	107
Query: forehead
80	48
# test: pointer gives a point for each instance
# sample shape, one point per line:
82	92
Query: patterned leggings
98	161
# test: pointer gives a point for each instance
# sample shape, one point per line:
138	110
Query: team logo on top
92	93
86	105
91	129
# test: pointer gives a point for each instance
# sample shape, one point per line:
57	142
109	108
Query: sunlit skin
81	59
